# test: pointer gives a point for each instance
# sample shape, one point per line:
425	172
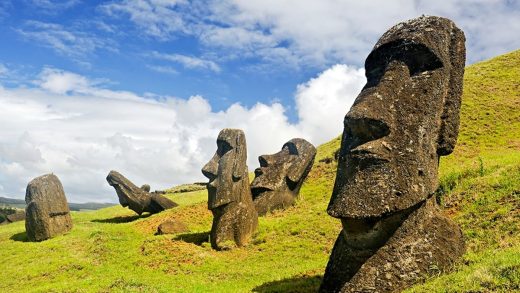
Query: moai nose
364	129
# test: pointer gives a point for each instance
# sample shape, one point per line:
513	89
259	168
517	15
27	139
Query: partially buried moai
404	119
280	176
229	195
47	211
137	199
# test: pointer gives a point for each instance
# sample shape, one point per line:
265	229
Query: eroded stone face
280	176
406	116
135	198
47	211
229	195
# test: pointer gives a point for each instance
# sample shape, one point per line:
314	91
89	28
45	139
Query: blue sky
144	86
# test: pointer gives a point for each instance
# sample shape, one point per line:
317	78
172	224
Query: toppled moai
138	199
278	181
47	211
404	119
17	216
229	194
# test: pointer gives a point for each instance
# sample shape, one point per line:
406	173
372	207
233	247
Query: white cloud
318	33
3	70
163	69
65	41
157	18
188	61
71	126
53	6
323	101
61	82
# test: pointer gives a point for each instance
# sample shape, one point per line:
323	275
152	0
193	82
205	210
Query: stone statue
404	119
280	176
138	199
47	213
229	194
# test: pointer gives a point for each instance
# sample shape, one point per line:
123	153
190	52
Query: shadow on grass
299	284
122	219
21	237
195	238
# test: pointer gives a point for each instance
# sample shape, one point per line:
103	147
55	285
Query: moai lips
404	119
278	181
229	195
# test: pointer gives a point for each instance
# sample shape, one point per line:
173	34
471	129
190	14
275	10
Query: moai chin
404	119
278	181
229	195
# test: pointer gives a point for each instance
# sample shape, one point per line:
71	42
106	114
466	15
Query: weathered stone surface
136	198
278	181
160	203
172	227
19	215
145	187
229	195
47	211
406	116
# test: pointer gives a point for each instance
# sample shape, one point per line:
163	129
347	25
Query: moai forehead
406	116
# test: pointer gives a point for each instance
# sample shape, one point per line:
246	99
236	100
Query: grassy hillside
114	250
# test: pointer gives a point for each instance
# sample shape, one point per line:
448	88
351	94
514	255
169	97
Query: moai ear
239	161
306	154
450	117
296	171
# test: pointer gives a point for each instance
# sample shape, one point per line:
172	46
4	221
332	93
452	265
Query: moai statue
229	194
278	181
404	119
47	213
138	199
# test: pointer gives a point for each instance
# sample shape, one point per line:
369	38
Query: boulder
19	215
47	211
171	227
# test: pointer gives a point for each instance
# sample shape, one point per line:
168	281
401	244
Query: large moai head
404	119
280	176
406	116
227	169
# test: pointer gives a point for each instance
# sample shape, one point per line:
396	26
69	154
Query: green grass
113	250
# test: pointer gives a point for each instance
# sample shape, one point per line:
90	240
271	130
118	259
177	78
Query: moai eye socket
223	147
416	56
291	148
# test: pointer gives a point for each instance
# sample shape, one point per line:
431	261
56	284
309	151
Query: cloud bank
315	33
70	125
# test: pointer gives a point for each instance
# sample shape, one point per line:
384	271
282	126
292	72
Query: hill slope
114	250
